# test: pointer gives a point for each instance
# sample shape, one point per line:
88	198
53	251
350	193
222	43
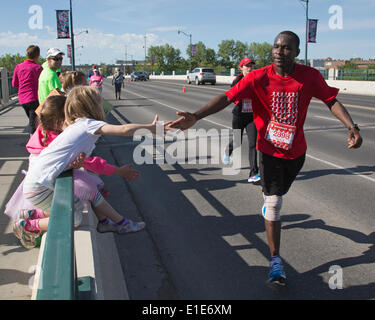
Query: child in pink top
86	185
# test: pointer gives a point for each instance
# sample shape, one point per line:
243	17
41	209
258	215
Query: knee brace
271	208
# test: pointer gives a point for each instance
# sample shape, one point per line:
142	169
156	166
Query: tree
241	51
261	53
167	58
10	61
349	65
204	56
226	53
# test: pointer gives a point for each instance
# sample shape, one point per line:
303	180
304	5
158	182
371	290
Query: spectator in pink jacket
96	80
25	78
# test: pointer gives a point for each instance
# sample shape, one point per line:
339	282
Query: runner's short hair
33	52
292	35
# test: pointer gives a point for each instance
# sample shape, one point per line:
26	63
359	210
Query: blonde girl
84	124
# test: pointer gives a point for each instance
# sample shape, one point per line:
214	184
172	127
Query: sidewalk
17	264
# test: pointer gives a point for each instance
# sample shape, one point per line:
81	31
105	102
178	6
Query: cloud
97	45
165	29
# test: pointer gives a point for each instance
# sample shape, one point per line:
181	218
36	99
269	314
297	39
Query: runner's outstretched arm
188	119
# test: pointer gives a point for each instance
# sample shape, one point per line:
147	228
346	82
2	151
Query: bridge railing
58	277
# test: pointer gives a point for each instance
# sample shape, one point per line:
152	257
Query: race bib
247	106
280	135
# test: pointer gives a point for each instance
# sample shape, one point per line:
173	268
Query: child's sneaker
277	274
126	227
131	226
27	238
106	226
31	214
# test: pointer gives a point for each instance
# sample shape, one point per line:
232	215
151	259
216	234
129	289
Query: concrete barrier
354	87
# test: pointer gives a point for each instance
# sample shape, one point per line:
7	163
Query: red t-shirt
286	99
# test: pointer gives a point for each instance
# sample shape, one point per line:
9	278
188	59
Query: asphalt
18	265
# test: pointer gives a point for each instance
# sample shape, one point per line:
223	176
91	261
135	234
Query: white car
201	76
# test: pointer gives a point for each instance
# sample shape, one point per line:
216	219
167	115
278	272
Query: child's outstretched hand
163	126
78	163
127	172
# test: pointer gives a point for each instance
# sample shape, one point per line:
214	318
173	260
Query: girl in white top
84	124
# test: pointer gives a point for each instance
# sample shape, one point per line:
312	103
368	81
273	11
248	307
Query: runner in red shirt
280	95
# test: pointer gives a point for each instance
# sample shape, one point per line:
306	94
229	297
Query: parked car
201	76
138	76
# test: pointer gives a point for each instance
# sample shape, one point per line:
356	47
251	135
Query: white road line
341	168
310	156
327	118
168	106
192	86
346	105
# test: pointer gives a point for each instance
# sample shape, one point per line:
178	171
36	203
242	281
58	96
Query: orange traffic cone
184	89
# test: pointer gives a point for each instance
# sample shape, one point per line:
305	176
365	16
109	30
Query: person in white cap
48	79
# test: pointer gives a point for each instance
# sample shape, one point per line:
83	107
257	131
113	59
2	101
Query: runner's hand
186	121
354	139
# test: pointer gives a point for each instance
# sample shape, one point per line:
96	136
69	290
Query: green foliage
226	53
349	66
167	58
262	53
204	56
10	61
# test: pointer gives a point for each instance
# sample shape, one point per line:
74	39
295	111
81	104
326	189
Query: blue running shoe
277	274
255	178
226	159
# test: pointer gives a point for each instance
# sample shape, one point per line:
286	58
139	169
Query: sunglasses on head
57	59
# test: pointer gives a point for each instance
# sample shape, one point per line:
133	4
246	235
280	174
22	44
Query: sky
117	28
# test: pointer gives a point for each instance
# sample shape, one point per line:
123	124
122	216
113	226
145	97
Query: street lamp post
72	36
191	46
307	28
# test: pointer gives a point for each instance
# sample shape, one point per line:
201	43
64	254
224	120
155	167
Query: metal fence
7	85
324	73
364	75
12	91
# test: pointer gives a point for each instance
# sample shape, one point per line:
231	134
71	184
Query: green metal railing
12	91
57	277
324	73
364	75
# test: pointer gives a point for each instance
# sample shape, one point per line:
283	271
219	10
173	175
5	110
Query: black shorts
277	175
118	87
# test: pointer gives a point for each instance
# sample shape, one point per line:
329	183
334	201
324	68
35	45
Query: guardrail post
4	86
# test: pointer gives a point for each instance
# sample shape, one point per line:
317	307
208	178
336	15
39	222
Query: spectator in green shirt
48	79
